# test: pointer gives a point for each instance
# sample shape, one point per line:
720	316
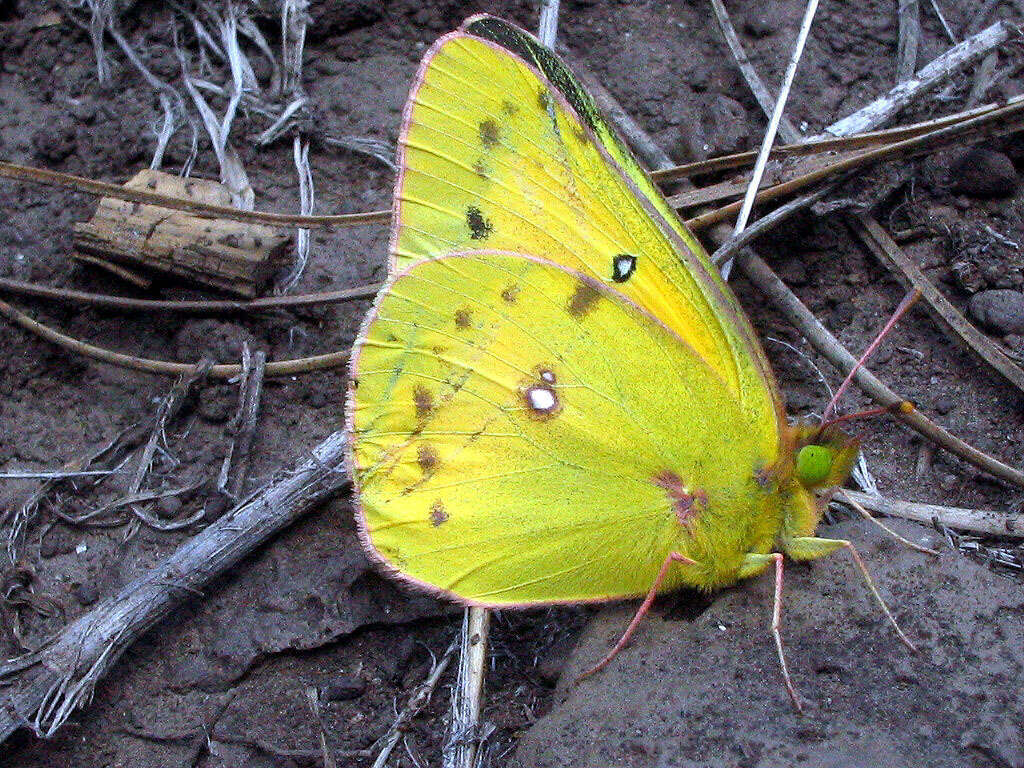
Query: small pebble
983	173
1000	311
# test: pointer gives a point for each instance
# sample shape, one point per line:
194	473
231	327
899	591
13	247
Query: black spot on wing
490	134
463	318
623	267
510	293
480	228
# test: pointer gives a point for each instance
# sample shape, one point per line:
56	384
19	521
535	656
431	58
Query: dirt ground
222	682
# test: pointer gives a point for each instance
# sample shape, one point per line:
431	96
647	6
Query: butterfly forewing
493	155
518	438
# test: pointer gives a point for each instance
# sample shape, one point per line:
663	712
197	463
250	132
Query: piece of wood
229	255
42	689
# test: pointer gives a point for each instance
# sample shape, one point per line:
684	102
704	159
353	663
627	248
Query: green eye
813	464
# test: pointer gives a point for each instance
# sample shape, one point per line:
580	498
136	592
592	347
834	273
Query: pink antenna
908	301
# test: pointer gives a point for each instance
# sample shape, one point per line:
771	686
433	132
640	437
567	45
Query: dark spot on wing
426	457
685	503
437	514
423	400
481	169
463	318
508	107
623	267
582	299
479	227
391	337
510	294
490	135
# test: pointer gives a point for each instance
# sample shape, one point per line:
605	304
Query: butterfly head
823	456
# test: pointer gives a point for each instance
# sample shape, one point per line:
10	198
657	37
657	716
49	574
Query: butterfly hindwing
517	435
502	149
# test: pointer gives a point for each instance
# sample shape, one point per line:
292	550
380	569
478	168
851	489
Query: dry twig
909	39
221	371
891	256
466	733
975	520
243	425
417	701
42	689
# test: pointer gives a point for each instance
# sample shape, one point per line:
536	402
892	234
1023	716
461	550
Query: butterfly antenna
903	406
908	301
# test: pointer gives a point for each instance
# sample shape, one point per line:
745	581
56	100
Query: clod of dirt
1000	311
981	172
708	692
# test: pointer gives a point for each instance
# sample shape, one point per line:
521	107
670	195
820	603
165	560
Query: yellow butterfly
556	399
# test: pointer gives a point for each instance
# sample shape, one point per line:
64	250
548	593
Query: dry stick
461	747
111	453
243	425
773	126
761	92
205	210
1011	114
166	412
198	306
884	108
888	252
994	522
417	701
909	40
942	20
222	371
43	688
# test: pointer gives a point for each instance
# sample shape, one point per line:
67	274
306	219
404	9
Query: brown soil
307	610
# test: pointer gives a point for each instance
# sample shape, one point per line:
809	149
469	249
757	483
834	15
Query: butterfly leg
812	547
673	557
777	634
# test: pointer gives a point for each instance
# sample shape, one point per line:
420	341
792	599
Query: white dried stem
547	27
294	16
942	20
754	82
773	125
307	196
365	145
885	108
461	747
909	39
977	520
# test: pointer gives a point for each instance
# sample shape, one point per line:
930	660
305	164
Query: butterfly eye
813	465
623	266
